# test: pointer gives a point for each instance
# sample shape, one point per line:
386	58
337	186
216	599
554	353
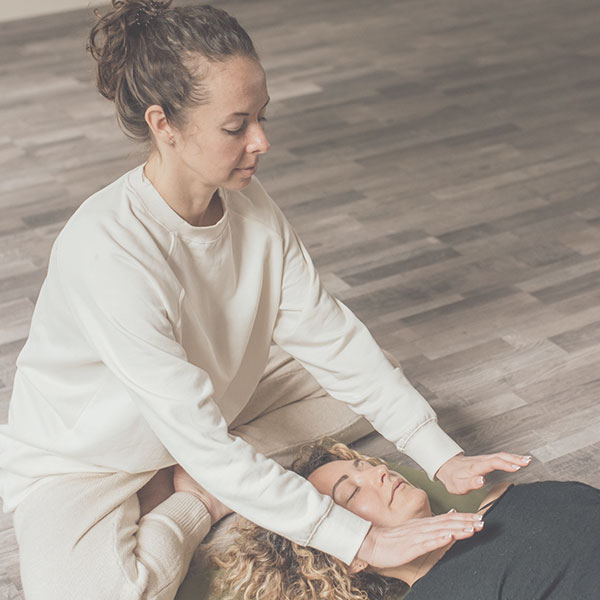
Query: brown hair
147	53
262	565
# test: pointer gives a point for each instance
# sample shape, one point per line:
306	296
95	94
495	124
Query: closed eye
356	490
241	129
356	464
236	131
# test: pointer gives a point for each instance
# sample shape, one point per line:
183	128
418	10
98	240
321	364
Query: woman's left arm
327	338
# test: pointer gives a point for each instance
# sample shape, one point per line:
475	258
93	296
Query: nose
259	144
376	475
381	474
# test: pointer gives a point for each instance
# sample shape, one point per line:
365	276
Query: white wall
21	9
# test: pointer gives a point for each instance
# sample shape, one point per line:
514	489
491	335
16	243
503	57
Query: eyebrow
244	114
343	478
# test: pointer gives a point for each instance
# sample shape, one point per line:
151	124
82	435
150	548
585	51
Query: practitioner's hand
461	474
184	482
393	546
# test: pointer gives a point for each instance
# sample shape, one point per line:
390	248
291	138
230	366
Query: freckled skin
216	145
211	151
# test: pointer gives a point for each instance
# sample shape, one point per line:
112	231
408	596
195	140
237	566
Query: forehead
235	83
326	475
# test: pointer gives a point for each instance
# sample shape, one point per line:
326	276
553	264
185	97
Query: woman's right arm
129	319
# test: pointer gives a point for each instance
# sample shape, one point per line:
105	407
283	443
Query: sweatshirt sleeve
325	336
127	317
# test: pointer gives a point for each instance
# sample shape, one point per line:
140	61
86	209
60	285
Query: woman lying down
539	540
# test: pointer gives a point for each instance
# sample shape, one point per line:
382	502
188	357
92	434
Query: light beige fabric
80	535
289	408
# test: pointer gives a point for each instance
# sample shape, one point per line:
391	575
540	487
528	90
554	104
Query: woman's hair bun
149	10
145	53
111	38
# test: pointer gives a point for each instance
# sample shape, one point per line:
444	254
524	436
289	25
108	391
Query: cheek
232	146
217	149
231	155
413	505
416	503
368	507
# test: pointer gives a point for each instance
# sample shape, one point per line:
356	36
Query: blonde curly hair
262	565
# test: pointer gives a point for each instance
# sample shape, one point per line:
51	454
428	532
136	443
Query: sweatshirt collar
163	213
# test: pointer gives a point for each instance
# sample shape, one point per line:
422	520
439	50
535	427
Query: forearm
340	533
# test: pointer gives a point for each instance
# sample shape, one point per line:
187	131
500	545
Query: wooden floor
441	161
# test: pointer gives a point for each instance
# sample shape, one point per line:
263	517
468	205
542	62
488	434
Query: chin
420	503
413	506
238	184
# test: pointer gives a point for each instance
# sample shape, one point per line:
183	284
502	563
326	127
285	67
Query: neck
413	571
188	197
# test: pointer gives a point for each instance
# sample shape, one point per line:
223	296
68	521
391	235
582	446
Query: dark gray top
541	541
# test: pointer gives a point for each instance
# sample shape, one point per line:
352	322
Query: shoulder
106	225
105	243
545	497
555	491
495	492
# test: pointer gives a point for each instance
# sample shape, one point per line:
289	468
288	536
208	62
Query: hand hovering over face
462	474
385	547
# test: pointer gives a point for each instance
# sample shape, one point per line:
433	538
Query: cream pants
81	537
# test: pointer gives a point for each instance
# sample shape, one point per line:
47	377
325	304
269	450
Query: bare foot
183	482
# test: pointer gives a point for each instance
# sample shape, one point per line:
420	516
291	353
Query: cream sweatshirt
149	336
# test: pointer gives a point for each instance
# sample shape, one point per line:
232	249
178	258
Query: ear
357	565
157	121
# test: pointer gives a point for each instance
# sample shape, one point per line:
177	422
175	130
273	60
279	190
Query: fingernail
527	458
477	517
469	530
480	480
479	525
447	536
452	510
516	467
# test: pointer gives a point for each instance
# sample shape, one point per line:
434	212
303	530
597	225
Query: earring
172	141
358	564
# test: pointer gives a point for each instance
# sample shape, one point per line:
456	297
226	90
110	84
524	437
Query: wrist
207	505
442	471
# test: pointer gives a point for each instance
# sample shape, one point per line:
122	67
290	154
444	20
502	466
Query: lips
395	486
